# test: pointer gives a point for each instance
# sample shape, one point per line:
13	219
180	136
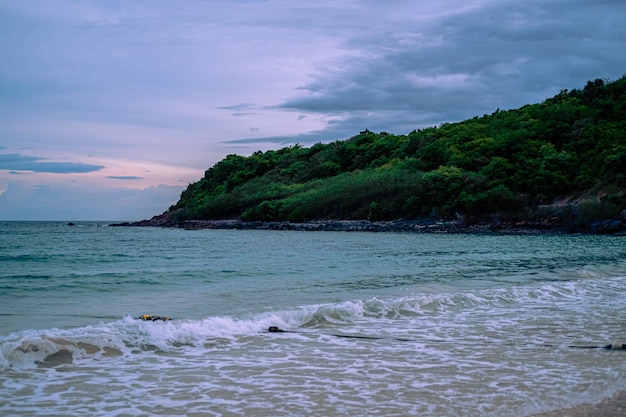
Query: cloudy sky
109	108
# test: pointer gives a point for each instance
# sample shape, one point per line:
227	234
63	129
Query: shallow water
438	324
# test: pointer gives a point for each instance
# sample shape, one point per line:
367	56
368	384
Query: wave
437	304
26	258
127	336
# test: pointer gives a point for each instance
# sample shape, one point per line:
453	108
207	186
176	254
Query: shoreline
614	406
547	226
333	226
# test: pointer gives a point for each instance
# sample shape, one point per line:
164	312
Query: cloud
124	177
17	162
178	86
494	55
239	107
415	65
69	201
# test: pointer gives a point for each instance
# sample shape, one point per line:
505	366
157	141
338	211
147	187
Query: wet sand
610	407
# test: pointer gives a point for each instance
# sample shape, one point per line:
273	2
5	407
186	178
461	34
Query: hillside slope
564	157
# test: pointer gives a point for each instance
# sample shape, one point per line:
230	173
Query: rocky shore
550	225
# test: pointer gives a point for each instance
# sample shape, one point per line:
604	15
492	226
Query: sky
110	108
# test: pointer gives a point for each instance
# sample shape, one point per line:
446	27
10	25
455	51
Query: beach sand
610	407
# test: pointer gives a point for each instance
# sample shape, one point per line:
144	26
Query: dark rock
61	357
608	226
552	224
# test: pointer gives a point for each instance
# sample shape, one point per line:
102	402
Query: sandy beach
610	407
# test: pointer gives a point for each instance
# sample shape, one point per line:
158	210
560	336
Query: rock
550	224
61	357
608	226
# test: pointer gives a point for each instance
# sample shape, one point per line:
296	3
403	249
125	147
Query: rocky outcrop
610	226
162	220
554	224
316	225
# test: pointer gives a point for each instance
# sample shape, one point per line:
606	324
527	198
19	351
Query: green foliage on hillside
503	164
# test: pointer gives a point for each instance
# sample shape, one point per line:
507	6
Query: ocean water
376	324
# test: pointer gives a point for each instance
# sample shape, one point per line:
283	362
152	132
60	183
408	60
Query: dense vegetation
506	165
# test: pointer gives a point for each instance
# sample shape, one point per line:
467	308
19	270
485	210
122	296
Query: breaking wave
128	336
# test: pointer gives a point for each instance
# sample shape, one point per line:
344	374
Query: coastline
612	406
553	225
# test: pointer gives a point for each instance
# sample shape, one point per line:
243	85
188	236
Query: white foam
30	348
487	352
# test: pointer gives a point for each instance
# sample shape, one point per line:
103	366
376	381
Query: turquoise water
445	324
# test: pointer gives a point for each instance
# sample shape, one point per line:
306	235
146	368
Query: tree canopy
506	164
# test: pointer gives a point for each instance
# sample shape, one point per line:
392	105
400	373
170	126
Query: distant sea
376	324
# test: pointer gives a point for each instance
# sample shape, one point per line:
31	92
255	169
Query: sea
372	324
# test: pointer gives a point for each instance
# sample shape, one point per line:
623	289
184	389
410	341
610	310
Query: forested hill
506	165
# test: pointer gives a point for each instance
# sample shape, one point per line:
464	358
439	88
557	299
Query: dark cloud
124	177
243	109
17	162
239	107
500	55
183	85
